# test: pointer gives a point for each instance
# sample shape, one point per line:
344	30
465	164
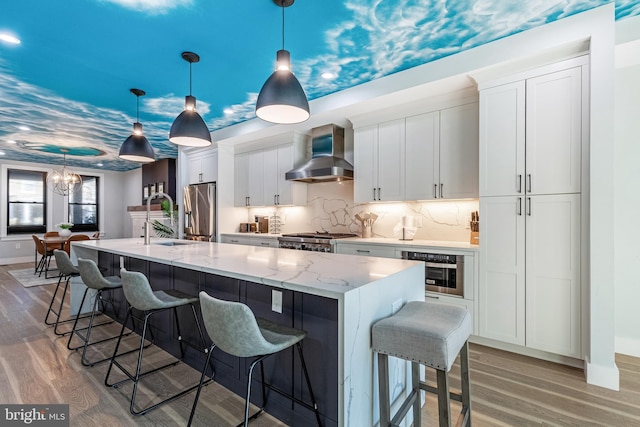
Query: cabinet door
501	299
553	273
365	146
241	179
256	178
193	163
421	148
502	140
209	166
554	132
289	192
391	137
270	176
459	152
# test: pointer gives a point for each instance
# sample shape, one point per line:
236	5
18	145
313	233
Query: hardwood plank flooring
507	389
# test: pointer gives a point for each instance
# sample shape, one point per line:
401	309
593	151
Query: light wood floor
507	389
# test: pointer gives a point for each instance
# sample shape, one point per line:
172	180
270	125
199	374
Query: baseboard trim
9	261
602	376
628	346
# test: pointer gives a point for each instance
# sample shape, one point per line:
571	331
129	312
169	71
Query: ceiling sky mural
66	83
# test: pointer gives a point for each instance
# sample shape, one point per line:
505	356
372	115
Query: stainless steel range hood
327	160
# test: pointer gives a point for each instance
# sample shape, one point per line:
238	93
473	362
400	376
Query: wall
331	208
14	249
627	207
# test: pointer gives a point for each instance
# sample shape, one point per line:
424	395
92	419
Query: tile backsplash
330	207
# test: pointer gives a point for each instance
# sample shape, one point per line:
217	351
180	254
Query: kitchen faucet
147	223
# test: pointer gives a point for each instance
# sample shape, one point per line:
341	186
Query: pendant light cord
190	76
283	26
137	108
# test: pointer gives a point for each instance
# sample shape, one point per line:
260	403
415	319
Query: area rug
28	279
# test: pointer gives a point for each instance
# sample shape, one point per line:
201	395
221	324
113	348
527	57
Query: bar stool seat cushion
428	333
141	297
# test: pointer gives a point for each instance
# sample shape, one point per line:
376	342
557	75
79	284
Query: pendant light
188	128
282	99
64	181
137	148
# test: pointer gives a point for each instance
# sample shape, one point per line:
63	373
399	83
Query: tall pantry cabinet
531	157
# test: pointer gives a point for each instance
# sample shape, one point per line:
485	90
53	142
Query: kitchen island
335	298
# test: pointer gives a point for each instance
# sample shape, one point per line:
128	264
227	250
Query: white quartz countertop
253	235
383	241
325	274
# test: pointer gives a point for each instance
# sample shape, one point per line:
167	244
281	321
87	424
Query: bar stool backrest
232	326
138	292
51	234
65	266
91	275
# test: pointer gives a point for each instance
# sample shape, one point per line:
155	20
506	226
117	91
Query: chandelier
64	181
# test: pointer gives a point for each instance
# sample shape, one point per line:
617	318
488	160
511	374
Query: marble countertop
252	235
325	274
383	241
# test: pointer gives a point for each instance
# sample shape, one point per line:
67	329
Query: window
27	199
83	205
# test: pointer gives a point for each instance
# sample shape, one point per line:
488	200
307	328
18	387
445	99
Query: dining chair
45	255
74	237
96	235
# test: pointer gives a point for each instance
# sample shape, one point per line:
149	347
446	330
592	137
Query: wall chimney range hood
327	161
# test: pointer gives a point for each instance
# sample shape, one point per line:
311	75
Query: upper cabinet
531	135
260	178
422	157
202	165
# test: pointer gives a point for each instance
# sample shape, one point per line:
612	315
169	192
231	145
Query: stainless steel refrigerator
200	214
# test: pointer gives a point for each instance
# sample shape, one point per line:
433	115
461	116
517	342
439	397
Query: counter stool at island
93	279
429	334
234	329
141	297
67	271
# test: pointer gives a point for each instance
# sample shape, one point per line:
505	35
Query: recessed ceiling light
328	75
9	38
11	141
227	111
99	164
25	128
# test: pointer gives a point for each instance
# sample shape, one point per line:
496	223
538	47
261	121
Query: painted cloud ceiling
67	82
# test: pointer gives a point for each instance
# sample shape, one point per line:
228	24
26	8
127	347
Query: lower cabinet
529	291
379	251
249	240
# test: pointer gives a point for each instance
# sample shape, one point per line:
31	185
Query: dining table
50	244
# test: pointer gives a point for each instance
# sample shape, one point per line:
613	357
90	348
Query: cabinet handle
519	206
362	251
435	191
431	296
234	241
374	193
264	244
529	206
200	176
442	191
519	183
379	198
248	200
529	182
278	198
274	200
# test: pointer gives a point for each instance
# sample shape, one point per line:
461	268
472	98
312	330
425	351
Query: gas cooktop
320	235
318	241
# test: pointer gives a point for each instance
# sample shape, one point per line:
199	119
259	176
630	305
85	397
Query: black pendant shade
136	147
282	99
189	128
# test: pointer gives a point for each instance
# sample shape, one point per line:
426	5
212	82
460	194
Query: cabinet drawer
363	250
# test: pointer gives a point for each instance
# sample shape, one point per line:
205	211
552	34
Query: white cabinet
422	157
260	178
250	240
202	166
531	135
366	250
530	205
379	162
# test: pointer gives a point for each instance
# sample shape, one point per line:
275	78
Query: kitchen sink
170	243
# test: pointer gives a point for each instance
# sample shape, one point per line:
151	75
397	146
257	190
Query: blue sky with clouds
69	79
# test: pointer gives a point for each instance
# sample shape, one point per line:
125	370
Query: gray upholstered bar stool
67	271
93	279
140	296
429	334
234	329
